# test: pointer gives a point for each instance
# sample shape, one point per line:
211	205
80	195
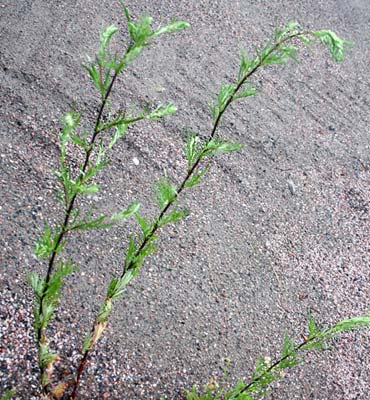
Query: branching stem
181	187
275	364
69	209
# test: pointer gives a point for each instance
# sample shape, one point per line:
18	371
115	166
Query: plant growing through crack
75	182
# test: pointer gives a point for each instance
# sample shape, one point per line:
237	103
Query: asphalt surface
278	229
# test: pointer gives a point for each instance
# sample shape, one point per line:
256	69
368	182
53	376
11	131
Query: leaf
337	46
161	111
148	249
131	55
195	178
103	315
94	76
70	122
314	344
261	365
91	171
97	223
87	189
79	141
173	216
37	283
87	342
246	64
173	26
214	111
56	279
305	39
117	285
127	14
224	97
47	243
289	52
349	324
119	133
64	176
130	254
313	329
46	357
132	209
9	394
219	145
236	395
140	31
144	224
288	29
165	192
193	149
279	55
105	37
50	293
288	346
245	93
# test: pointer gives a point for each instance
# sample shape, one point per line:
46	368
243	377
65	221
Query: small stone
291	186
136	161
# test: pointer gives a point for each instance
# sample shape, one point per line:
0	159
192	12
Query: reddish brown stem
64	229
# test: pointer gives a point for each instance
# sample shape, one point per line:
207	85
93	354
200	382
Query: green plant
75	182
8	394
266	371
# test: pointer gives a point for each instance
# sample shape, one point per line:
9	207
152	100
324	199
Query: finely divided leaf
37	283
195	178
132	209
173	216
337	46
173	26
247	92
226	93
47	243
117	285
119	133
313	329
87	189
219	145
50	293
161	111
165	192
145	225
70	122
97	223
246	64
105	37
349	324
289	29
193	149
289	356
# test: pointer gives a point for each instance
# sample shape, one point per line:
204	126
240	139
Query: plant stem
276	363
179	190
69	209
197	162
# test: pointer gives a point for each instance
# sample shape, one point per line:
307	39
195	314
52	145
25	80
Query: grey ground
252	258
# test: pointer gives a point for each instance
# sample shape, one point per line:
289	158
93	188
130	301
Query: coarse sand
277	230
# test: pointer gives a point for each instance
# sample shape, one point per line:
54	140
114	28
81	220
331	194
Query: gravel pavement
276	230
